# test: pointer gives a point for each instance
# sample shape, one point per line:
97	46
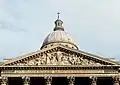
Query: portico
55	75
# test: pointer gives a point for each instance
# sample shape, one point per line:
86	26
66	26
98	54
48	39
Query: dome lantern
58	24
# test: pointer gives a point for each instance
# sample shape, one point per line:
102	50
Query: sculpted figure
41	60
64	60
74	60
53	59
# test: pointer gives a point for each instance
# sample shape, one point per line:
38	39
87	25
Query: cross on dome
58	15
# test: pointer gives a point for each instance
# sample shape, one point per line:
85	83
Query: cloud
7	19
10	27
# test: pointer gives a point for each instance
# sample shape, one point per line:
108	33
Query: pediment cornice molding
58	67
60	48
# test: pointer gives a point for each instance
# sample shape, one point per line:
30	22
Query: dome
59	36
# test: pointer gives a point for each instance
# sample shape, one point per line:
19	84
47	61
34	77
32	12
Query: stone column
4	80
71	80
93	80
116	80
26	80
48	80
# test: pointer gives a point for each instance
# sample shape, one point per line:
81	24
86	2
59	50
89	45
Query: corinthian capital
71	80
26	80
48	80
116	80
93	80
4	80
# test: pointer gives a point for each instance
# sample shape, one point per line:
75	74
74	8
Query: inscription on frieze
56	71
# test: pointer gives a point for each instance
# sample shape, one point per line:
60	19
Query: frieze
57	58
55	71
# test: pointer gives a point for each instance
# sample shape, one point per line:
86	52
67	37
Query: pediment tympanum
57	56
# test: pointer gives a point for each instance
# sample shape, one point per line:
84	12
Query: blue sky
93	24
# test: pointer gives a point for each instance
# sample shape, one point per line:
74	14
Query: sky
93	24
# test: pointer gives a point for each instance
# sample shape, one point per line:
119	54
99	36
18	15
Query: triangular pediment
58	55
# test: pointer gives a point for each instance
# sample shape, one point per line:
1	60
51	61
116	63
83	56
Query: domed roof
59	36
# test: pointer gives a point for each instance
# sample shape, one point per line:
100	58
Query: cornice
55	67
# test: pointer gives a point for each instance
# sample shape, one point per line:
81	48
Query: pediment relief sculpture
57	58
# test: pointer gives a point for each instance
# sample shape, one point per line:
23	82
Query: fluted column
93	80
26	80
48	80
4	80
116	80
71	80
